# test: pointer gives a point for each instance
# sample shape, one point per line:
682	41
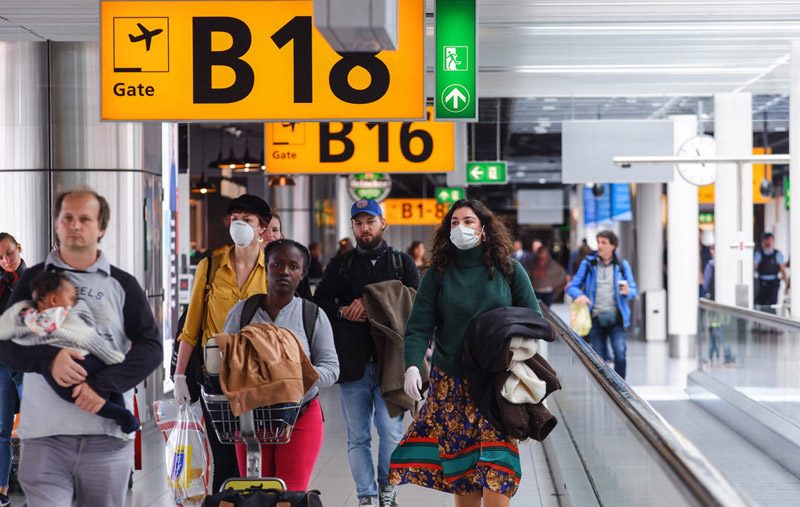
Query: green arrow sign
486	172
456	61
448	194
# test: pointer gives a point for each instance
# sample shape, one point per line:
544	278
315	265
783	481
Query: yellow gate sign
346	147
414	211
251	60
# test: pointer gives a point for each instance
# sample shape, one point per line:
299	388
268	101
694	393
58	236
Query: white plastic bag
186	453
580	319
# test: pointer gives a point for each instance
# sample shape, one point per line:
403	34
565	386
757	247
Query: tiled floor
650	370
332	472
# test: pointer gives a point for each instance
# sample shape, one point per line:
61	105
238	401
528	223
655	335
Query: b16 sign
346	147
250	60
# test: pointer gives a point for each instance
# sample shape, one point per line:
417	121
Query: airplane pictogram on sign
130	55
288	133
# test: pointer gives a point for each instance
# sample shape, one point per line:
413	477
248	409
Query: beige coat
388	306
262	365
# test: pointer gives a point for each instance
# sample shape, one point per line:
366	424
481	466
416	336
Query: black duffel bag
257	497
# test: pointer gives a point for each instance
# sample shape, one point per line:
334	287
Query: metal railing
603	415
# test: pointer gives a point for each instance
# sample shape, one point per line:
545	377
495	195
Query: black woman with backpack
228	276
450	446
287	264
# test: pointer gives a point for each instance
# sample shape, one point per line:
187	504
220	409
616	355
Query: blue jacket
586	277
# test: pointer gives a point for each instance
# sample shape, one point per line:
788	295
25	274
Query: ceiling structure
574	59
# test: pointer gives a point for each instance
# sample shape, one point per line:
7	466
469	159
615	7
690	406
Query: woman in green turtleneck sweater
450	446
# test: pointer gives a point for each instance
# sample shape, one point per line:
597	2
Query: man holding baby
68	452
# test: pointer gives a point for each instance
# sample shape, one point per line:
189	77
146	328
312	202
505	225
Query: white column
794	171
650	237
733	200
649	252
683	254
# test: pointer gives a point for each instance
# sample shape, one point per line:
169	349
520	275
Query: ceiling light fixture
281	181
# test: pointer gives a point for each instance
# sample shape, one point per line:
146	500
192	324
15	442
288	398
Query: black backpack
347	262
310	312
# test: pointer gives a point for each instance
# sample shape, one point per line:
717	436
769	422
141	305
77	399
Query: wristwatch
339	313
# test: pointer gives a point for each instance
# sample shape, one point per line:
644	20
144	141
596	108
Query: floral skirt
451	447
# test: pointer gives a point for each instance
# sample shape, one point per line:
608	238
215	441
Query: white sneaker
387	493
369	501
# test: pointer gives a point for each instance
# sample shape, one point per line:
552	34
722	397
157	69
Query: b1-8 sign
414	211
347	147
251	60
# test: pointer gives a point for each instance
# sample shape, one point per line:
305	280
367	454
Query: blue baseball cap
365	206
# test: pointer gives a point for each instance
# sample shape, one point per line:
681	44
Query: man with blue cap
340	295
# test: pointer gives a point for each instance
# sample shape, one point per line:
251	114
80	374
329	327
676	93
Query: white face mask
242	233
464	238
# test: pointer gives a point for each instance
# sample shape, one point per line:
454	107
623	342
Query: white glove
413	383
181	390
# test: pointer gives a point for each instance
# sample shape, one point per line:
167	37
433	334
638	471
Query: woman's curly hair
497	240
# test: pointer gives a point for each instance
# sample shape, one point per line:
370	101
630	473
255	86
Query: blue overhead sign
621	202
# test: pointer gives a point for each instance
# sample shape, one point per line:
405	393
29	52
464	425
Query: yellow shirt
224	293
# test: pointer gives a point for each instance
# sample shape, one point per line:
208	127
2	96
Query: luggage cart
264	425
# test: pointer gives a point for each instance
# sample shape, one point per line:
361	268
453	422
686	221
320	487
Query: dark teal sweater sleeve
421	321
522	293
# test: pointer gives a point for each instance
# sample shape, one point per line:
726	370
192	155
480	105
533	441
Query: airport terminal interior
654	133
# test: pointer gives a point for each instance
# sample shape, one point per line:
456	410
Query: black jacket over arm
354	344
486	359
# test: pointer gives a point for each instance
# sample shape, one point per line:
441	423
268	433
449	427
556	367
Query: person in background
294	461
451	446
706	245
274	230
581	253
536	244
340	294
70	456
12	267
605	283
315	270
345	245
417	252
547	275
237	273
768	264
518	250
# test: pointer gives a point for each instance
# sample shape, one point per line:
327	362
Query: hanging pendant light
281	181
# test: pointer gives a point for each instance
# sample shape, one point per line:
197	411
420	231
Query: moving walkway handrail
753	315
701	478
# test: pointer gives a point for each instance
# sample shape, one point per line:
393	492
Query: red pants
294	461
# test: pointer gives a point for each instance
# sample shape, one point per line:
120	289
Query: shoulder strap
344	266
250	308
310	312
213	260
397	264
211	271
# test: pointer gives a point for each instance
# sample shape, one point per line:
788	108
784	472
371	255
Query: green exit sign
486	172
456	60
448	194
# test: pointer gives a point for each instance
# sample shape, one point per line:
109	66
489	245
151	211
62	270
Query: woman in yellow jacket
238	273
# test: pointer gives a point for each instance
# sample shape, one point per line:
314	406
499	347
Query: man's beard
376	241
